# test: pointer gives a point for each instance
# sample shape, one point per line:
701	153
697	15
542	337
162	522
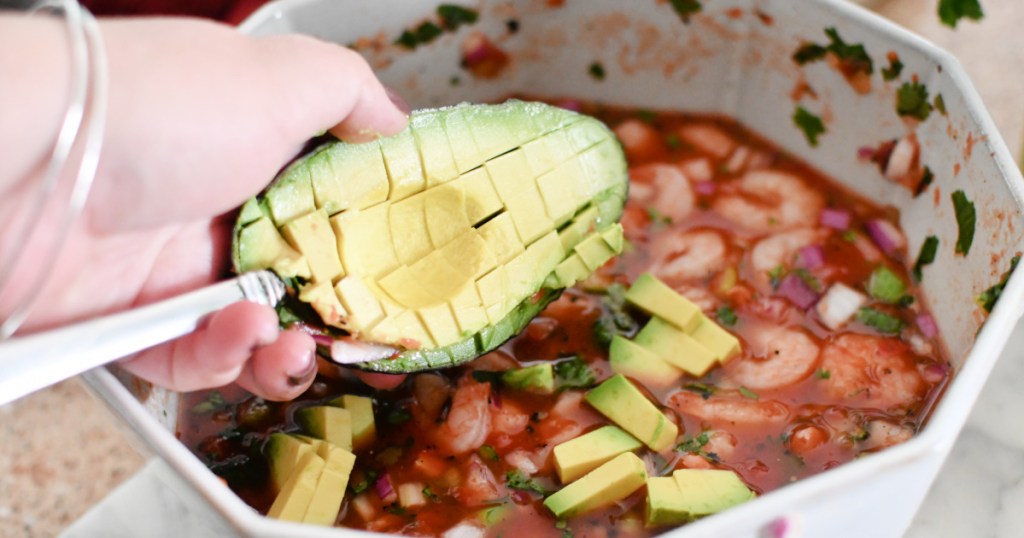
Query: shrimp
687	256
506	421
881	373
882	434
469	419
770	200
779	250
729	410
782	356
639	140
662	187
708	138
479	487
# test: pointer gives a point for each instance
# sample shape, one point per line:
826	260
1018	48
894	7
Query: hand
201	118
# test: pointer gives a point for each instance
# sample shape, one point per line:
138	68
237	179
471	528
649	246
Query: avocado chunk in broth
446	239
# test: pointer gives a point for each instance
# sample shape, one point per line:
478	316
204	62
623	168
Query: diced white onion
464	530
364	507
411	495
839	304
696	170
738	160
901	159
520	459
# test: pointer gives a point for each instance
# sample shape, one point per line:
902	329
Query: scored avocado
445	240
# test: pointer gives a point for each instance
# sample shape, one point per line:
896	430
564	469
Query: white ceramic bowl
732	59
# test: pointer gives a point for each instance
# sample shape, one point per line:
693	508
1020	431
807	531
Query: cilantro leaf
516	479
574	373
951	11
453	16
885	285
940	104
422	34
488	453
213	402
965	221
686	8
811	125
614	319
822	374
926	256
693	445
880	321
854	56
727	316
912	100
895	68
809	52
988	298
596	70
705	390
927	177
747	393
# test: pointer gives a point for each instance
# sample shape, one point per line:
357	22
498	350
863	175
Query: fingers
213	355
380	381
283	370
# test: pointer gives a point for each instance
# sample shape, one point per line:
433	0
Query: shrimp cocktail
758	325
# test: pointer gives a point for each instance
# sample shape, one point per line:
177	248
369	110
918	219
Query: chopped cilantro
453	16
727	316
895	68
646	116
927	255
656	216
704	390
965	220
398	416
809	52
693	445
855	56
516	479
822	374
940	104
880	321
421	35
747	393
811	125
927	177
686	8
775	276
429	494
673	141
454	81
574	373
885	285
485	376
596	70
360	486
213	402
810	280
988	298
614	319
850	236
488	453
951	11
912	100
567	533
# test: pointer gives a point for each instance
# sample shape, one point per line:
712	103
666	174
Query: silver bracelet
87	111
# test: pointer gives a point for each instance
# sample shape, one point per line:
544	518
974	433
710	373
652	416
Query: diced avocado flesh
360	408
675	347
332	424
539	378
611	482
297	492
624	404
472	195
579	456
665	503
330	488
633	360
709	491
284	453
658	299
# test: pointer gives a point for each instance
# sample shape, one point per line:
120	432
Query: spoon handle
29	363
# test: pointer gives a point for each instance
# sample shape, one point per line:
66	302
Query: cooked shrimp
479	486
722	444
678	256
883	433
708	138
639	140
508	420
872	371
779	250
469	419
662	187
729	410
781	356
770	200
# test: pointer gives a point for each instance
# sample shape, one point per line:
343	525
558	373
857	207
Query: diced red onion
706	188
384	489
933	373
477	53
811	256
495	399
926	323
570	104
865	152
796	290
835	218
885	235
322	339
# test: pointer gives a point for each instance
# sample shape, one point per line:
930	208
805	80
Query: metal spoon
32	362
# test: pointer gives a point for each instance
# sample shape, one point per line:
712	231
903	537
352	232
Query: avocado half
446	239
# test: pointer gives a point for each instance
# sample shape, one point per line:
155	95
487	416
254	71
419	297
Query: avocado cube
539	378
332	424
579	227
440	323
469	250
675	347
575	179
415	335
284	453
493	289
722	345
560	201
311	235
507	172
499	128
527	211
402	160
312	441
409	225
632	360
658	299
709	491
495	515
602	163
559	146
362	305
330	488
579	456
435	150
665	503
460	138
584	134
445	207
292	195
624	404
570	271
612	235
469	310
613	481
364	429
365	242
594	251
357	177
481	199
250	212
324	300
539	157
500	235
262	247
296	494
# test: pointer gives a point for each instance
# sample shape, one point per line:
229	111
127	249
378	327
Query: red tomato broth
820	429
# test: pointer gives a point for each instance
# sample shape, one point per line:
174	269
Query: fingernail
397	100
307	374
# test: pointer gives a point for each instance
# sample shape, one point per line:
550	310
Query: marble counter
60	453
